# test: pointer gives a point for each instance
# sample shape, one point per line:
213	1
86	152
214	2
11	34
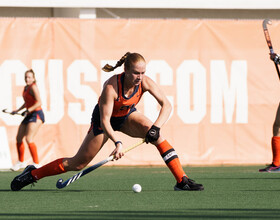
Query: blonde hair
128	59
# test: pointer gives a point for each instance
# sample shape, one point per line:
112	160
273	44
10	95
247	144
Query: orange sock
20	150
33	151
171	159
275	143
53	168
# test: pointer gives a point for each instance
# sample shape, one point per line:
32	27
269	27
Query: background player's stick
5	111
268	41
60	184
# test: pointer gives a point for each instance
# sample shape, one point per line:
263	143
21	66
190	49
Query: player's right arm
106	104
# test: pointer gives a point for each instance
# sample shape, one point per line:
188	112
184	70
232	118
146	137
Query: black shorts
33	116
116	122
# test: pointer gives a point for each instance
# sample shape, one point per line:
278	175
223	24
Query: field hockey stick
60	184
268	41
5	111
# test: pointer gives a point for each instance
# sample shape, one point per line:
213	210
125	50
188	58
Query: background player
33	119
275	141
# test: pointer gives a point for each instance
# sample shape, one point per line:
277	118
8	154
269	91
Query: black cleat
23	179
271	168
188	185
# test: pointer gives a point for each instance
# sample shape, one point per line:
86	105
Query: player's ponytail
109	68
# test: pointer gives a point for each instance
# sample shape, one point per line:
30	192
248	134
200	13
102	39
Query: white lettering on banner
8	68
160	67
84	92
233	94
226	95
184	72
55	111
5	156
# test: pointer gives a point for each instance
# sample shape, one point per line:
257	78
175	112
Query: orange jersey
122	105
28	98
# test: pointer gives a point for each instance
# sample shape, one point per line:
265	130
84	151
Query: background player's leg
275	145
31	131
20	148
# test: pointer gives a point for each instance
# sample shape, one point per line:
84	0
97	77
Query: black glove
152	135
26	112
13	112
277	59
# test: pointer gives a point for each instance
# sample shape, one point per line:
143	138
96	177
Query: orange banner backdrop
216	73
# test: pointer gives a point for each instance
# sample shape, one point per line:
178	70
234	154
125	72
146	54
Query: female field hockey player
116	111
33	119
275	141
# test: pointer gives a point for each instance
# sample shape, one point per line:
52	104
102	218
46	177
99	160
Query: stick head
59	184
265	22
4	110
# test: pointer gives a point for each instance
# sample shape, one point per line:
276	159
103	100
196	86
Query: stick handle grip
134	146
128	148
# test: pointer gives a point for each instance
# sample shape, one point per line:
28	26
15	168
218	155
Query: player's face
29	78
136	72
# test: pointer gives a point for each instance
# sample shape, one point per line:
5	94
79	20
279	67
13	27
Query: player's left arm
150	86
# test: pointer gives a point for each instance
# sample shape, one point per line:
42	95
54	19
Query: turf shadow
211	213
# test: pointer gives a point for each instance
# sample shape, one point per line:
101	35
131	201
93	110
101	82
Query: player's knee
28	139
19	139
276	129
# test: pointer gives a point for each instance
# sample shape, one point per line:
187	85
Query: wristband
117	142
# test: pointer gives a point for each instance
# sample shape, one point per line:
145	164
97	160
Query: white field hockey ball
136	188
